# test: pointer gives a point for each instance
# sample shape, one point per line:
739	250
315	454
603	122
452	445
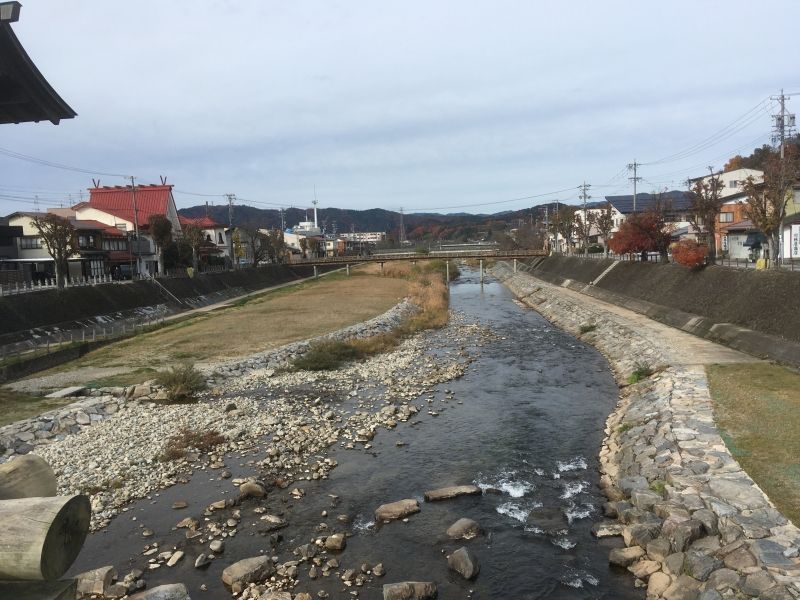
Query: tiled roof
89	224
118	201
204	222
674	200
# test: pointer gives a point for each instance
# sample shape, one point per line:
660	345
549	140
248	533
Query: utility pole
585	219
136	225
231	198
784	126
283	221
402	228
633	167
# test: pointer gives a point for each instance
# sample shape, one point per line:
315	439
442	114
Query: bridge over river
384	257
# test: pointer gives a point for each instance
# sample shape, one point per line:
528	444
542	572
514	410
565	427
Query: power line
569	189
54	165
729	130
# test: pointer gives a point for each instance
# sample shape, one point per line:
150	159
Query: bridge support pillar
515	265
381	269
348	269
316	273
481	271
447	274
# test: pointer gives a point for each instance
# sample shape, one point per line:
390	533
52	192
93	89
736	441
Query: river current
525	423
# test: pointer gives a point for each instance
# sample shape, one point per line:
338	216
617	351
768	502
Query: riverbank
692	520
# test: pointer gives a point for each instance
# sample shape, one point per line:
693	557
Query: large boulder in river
249	570
464	529
172	591
396	510
410	590
452	492
463	562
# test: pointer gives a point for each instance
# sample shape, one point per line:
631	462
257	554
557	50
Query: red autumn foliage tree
690	253
642	232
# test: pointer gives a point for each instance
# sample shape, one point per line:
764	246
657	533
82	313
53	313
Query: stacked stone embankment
741	308
694	524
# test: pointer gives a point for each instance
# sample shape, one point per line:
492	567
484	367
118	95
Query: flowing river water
527	428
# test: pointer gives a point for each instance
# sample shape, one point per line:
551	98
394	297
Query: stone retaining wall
693	522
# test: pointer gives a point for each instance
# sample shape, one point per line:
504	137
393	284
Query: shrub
586	328
641	371
178	444
181	383
690	254
326	356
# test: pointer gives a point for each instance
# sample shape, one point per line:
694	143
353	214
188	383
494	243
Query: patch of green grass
124	379
658	487
757	409
182	383
15	406
586	328
642	371
327	356
625	427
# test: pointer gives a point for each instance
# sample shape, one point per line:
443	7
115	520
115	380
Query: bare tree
582	226
257	243
193	236
60	241
304	246
604	223
161	230
563	225
706	203
276	247
766	202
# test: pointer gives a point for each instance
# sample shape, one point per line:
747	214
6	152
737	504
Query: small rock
462	561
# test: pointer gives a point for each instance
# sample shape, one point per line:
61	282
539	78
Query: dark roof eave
34	99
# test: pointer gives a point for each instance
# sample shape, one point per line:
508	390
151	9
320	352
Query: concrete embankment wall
693	523
68	307
752	311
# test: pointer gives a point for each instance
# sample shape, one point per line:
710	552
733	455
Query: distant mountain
419	226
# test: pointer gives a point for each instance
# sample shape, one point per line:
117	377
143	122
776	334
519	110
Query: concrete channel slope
694	524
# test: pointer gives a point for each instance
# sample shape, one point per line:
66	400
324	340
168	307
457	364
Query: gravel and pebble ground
289	419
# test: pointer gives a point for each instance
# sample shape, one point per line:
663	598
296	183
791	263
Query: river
525	423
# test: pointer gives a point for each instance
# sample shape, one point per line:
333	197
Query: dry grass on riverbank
253	325
427	290
757	408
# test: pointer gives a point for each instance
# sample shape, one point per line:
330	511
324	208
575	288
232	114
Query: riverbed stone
757	583
463	562
657	584
447	493
396	510
96	581
410	590
336	542
683	588
252	489
248	570
659	549
465	529
724	579
172	591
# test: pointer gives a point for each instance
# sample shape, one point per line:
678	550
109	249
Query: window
115	244
733	183
726	217
219	238
29	242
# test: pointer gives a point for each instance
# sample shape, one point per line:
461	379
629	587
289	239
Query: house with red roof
129	209
215	234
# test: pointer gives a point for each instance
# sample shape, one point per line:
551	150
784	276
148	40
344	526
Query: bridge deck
433	255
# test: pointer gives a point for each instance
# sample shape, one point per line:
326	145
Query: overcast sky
421	105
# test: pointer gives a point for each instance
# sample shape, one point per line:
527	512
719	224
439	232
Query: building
214	234
732	181
129	210
369	237
93	259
